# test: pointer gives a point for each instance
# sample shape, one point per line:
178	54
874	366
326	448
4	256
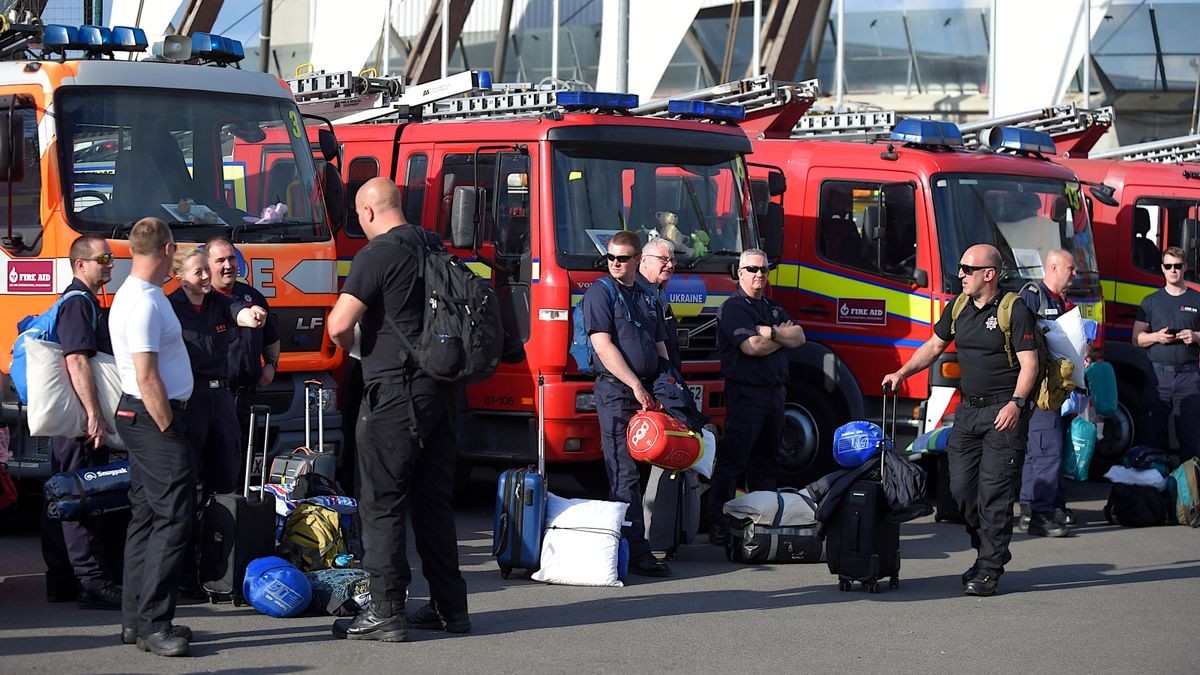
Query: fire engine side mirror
335	196
1104	194
12	149
464	216
776	183
771	231
1187	240
328	144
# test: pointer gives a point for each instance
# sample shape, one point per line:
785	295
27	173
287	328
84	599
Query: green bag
312	537
1078	458
1185	485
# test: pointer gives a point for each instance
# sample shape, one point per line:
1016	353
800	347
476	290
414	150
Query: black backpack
461	336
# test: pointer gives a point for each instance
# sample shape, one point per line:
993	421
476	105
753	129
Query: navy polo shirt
246	344
83	323
670	323
738	320
635	326
1051	308
980	344
206	333
1161	310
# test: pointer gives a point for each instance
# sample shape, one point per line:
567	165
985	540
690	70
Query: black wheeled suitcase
289	466
237	529
671	508
520	516
862	544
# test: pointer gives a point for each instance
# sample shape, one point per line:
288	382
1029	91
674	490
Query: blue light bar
126	39
585	100
718	112
57	37
95	38
927	132
485	79
1022	140
213	47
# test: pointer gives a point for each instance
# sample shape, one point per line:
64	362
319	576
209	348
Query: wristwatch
1020	401
772	333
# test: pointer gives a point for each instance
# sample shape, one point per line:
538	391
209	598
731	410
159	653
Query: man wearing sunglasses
628	340
75	552
987	446
1166	327
752	332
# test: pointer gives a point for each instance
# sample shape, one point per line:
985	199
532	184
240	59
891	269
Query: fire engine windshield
699	200
206	163
1024	217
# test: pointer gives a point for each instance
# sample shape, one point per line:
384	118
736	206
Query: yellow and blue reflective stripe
915	307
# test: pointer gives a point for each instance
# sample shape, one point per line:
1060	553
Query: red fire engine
872	238
547	176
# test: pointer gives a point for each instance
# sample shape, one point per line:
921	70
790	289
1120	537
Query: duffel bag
756	544
659	439
87	492
1138	506
340	591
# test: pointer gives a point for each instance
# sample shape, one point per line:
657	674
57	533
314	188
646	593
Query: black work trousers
750	444
406	466
615	405
162	474
79	552
1173	398
985	467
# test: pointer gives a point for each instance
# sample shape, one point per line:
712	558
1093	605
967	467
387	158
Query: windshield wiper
263	227
701	258
121	230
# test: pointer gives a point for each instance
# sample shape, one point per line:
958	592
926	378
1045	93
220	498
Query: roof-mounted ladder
1059	121
347	98
500	101
851	126
1167	151
751	94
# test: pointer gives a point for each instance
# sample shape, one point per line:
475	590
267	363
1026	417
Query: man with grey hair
655	270
752	332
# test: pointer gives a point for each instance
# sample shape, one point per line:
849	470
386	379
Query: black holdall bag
1138	506
775	543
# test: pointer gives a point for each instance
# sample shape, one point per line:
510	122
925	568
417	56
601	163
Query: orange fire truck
93	142
540	179
872	238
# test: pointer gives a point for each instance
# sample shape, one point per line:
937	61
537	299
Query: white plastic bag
582	542
708	454
1066	340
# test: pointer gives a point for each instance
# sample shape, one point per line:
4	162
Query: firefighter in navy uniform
1167	326
752	332
655	270
1043	488
627	354
207	323
253	352
987	445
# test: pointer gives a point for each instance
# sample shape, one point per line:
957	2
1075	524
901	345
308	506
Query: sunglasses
667	260
1172	266
972	269
755	269
619	259
103	258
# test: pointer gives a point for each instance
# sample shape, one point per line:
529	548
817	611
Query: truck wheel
808	422
1120	431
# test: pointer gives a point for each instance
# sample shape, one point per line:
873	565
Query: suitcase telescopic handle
255	412
541	421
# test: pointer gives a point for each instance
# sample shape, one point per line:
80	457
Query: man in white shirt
156	383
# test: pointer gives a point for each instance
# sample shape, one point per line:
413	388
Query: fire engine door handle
818	311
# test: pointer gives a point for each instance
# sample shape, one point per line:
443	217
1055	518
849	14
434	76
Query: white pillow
582	539
54	409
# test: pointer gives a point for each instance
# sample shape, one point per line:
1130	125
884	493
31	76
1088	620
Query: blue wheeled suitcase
862	543
521	509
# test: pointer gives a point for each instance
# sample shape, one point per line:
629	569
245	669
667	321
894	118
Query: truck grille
698	337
